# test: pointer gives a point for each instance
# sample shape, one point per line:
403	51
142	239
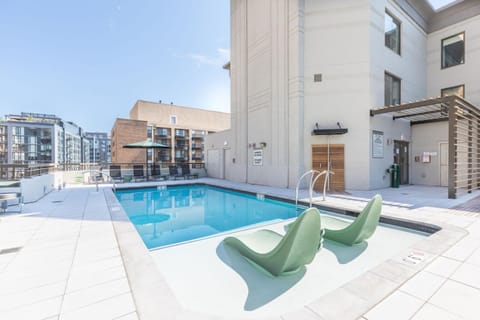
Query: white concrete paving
78	258
68	265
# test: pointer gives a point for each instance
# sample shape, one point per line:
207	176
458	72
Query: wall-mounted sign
257	157
426	157
377	144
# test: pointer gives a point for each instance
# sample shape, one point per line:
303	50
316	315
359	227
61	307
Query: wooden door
337	165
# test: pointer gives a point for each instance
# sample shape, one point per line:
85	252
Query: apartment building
308	75
33	138
99	147
181	129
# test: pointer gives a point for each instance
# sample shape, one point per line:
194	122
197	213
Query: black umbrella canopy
145	144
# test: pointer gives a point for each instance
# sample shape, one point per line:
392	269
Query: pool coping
154	298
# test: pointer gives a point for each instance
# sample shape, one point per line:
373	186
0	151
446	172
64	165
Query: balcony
164	134
181	147
181	137
197	146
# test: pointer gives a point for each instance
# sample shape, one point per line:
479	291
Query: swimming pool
176	214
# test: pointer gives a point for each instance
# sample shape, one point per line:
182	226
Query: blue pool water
183	213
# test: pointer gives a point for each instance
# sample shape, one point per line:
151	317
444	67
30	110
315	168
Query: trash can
395	175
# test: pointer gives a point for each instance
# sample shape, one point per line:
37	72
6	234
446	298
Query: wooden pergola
463	136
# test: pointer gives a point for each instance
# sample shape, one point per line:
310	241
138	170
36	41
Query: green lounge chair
280	255
362	228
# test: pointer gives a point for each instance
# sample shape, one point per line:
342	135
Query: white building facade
302	68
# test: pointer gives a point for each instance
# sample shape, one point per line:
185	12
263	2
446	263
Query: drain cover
10	250
414	257
57	201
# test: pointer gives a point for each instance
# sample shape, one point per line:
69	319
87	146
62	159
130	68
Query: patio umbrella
145	144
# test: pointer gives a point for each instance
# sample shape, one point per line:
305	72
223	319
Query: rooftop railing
15	172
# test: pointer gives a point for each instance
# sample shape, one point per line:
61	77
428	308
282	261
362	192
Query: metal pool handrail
313	180
102	173
312	172
327	174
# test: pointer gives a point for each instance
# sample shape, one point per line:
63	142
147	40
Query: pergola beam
411	105
416	114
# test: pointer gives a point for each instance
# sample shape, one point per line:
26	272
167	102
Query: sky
89	61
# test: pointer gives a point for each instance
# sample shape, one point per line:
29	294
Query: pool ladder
315	174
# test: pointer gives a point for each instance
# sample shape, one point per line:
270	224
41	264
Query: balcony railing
181	137
162	134
197	146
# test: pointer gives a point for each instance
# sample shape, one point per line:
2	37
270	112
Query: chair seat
281	255
333	223
261	241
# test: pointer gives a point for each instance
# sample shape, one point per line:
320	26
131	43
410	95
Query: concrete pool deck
74	255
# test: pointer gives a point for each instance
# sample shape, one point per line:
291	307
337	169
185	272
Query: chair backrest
299	245
156	170
138	170
367	221
115	171
173	171
185	169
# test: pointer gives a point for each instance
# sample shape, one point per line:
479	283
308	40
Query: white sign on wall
258	157
377	144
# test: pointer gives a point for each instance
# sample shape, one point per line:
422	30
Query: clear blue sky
88	61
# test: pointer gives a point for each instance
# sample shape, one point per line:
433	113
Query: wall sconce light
263	144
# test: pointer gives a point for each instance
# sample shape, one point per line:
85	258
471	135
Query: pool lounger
361	228
280	255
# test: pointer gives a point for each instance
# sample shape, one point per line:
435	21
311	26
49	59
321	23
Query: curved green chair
280	255
362	228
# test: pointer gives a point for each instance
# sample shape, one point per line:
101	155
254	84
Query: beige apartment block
181	129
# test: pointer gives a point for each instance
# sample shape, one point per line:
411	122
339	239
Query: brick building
182	129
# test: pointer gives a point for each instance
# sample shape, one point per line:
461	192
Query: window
392	89
162	132
180	133
392	33
457	90
453	50
149	132
173	119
